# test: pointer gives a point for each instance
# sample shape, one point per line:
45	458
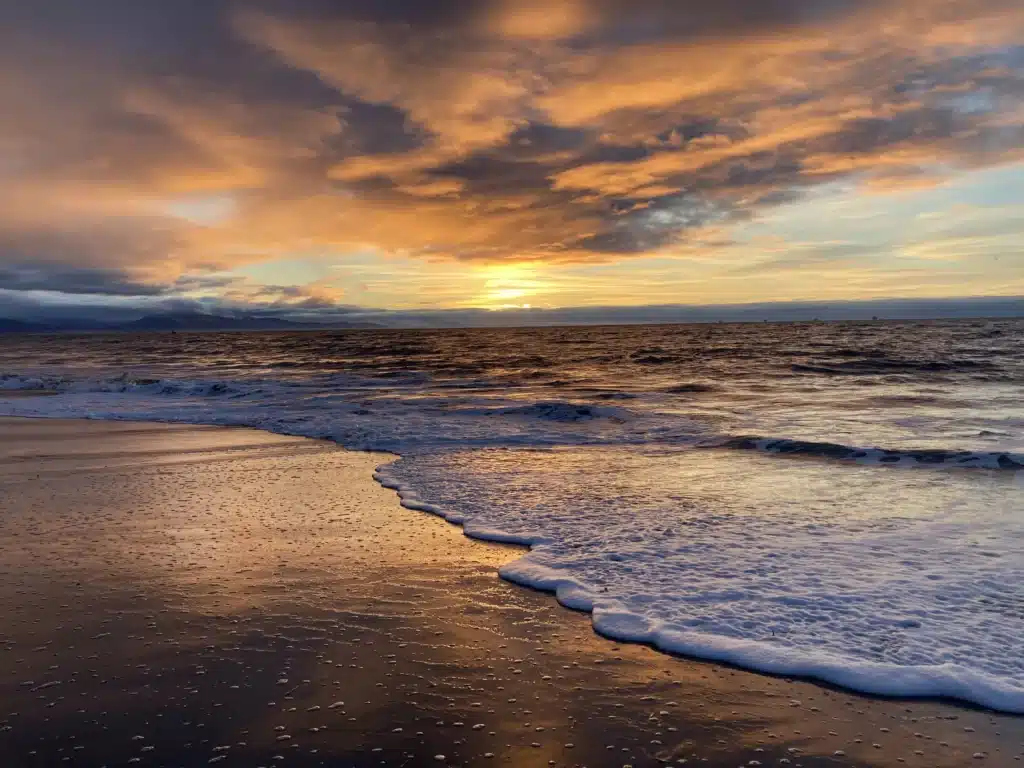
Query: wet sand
181	596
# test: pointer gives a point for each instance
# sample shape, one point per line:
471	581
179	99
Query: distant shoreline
892	309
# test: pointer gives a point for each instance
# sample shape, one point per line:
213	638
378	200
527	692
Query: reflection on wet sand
182	596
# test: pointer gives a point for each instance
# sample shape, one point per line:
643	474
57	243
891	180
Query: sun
507	294
505	285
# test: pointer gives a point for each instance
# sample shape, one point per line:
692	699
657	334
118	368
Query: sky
417	156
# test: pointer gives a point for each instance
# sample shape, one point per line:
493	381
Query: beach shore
179	596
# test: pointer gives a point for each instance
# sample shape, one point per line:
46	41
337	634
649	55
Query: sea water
843	501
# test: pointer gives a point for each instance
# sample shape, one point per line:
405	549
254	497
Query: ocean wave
126	383
400	413
656	356
690	388
556	410
615	396
874	366
931	457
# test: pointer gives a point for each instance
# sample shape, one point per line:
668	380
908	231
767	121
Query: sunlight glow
503	284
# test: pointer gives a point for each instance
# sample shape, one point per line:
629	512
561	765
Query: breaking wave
922	457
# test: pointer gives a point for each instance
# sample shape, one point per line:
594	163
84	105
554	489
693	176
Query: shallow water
837	500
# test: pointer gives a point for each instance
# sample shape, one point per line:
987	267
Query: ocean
843	501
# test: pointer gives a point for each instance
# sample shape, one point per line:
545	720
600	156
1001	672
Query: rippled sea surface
841	500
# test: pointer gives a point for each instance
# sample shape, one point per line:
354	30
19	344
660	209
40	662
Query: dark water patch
658	356
655	359
852	353
690	388
533	361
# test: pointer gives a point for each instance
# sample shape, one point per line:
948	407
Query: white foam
613	619
788	569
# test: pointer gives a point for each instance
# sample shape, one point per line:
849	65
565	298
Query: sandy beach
180	596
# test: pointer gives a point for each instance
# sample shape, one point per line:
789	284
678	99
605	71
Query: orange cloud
472	97
540	19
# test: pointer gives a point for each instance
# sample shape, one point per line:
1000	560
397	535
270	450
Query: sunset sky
413	155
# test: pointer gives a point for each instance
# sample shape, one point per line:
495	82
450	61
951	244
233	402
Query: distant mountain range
223	319
18	326
178	321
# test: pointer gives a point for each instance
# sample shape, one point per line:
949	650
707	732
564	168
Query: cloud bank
147	147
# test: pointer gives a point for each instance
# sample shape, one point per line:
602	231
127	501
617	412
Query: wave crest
558	410
895	457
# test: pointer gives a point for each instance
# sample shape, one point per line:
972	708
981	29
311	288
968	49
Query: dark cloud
73	281
615	23
49	241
